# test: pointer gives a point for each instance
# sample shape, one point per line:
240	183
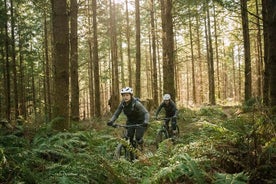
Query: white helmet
127	90
167	97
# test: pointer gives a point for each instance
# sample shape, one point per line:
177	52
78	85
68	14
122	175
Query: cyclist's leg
130	133
167	121
140	131
174	123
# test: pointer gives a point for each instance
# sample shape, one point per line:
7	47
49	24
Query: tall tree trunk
14	65
154	59
201	96
48	101
216	49
271	9
246	44
128	47
61	64
91	84
259	53
114	58
168	48
22	99
138	49
266	87
96	61
74	61
7	70
212	99
192	59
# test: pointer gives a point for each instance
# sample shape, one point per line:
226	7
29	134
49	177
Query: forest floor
189	122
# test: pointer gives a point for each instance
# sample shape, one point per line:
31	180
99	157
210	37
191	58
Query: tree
269	9
7	85
114	58
74	60
168	48
246	44
138	48
96	61
154	57
61	63
210	59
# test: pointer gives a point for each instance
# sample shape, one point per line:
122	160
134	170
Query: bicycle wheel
177	131
122	152
161	136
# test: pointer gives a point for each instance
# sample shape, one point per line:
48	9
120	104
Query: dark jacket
135	112
170	109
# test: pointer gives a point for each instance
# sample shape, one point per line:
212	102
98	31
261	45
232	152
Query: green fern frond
223	178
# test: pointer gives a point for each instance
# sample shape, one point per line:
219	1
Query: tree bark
271	9
246	44
168	48
96	61
154	58
114	58
61	64
212	99
138	49
74	61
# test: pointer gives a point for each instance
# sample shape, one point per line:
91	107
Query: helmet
127	90
167	97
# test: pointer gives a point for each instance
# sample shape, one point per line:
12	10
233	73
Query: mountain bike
166	131
127	148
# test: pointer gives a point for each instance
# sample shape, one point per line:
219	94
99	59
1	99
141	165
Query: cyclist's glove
110	123
145	124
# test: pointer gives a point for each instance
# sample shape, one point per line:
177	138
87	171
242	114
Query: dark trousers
138	132
173	123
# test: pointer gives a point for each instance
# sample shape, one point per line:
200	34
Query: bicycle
166	131
127	148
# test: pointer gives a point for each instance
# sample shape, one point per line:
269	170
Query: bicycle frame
166	131
167	126
127	148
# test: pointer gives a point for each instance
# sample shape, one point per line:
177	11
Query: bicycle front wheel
124	152
161	136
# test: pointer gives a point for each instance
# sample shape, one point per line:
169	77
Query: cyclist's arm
141	108
117	112
159	109
174	109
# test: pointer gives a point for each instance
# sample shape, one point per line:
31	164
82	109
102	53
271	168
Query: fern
222	178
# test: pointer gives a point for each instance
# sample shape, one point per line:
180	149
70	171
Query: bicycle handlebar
164	118
127	126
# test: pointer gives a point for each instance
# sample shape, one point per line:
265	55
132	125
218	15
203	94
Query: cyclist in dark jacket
135	112
170	109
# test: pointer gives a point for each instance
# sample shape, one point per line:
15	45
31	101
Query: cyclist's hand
110	123
145	124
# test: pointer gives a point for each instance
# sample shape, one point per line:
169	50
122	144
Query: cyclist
170	109
135	112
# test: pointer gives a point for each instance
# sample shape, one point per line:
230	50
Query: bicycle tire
177	131
160	137
123	152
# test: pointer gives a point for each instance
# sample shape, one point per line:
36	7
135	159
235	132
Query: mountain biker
135	112
170	109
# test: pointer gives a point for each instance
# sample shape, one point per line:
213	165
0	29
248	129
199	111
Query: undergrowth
214	147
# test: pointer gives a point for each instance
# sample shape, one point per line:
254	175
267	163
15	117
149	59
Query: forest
64	62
